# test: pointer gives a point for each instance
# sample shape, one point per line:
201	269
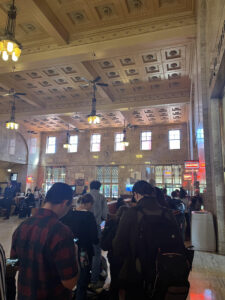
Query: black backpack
164	263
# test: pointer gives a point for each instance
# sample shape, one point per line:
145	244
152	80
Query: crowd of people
60	247
24	204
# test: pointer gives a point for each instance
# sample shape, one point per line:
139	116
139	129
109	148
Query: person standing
48	266
9	194
83	225
100	211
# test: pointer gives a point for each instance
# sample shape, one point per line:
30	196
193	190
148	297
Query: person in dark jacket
83	225
30	202
9	194
125	243
115	263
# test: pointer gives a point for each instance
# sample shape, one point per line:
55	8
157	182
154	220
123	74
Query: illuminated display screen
191	164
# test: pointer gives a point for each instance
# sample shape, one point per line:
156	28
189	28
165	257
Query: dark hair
58	193
95	185
142	187
87	198
120	202
174	194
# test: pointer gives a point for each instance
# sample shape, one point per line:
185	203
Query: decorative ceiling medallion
77	79
117	82
51	72
69	89
176	109
39	92
106	11
53	91
28	28
18	77
30	86
34	75
127	61
78	17
154	78
131	72
152	69
106	64
173	66
75	95
61	81
173	54
45	83
133	5
69	70
147	58
112	74
135	81
174	76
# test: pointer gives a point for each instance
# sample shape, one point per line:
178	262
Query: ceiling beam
48	20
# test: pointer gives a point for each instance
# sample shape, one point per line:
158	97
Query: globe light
5	55
14	57
10	47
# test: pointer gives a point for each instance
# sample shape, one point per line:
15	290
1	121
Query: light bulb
5	55
1	46
17	51
14	57
9	47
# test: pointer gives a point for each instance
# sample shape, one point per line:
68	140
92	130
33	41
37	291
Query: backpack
164	264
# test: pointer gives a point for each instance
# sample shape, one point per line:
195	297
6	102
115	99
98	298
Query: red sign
187	177
191	164
29	179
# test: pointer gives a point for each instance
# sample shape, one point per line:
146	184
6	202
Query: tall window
95	142
54	174
73	143
109	177
174	139
51	144
146	140
119	146
12	146
33	145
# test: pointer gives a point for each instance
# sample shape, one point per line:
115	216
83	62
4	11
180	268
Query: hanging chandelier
66	145
12	123
124	141
92	117
8	44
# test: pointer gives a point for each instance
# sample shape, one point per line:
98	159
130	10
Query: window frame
47	145
95	143
119	142
73	144
146	140
172	140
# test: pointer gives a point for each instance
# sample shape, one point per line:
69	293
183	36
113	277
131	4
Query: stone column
217	171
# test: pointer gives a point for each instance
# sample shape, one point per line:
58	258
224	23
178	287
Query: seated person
83	225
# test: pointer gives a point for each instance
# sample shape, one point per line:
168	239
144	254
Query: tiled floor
206	283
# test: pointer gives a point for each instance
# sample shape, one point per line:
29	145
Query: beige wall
83	161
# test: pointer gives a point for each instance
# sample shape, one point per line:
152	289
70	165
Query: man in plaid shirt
46	250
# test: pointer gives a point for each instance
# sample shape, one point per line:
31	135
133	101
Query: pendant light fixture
12	123
9	46
93	118
124	141
66	145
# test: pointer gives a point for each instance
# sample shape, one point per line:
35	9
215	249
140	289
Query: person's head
95	185
36	189
141	189
174	194
59	198
86	201
28	191
178	192
152	181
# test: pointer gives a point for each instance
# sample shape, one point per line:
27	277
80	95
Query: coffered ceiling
141	48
